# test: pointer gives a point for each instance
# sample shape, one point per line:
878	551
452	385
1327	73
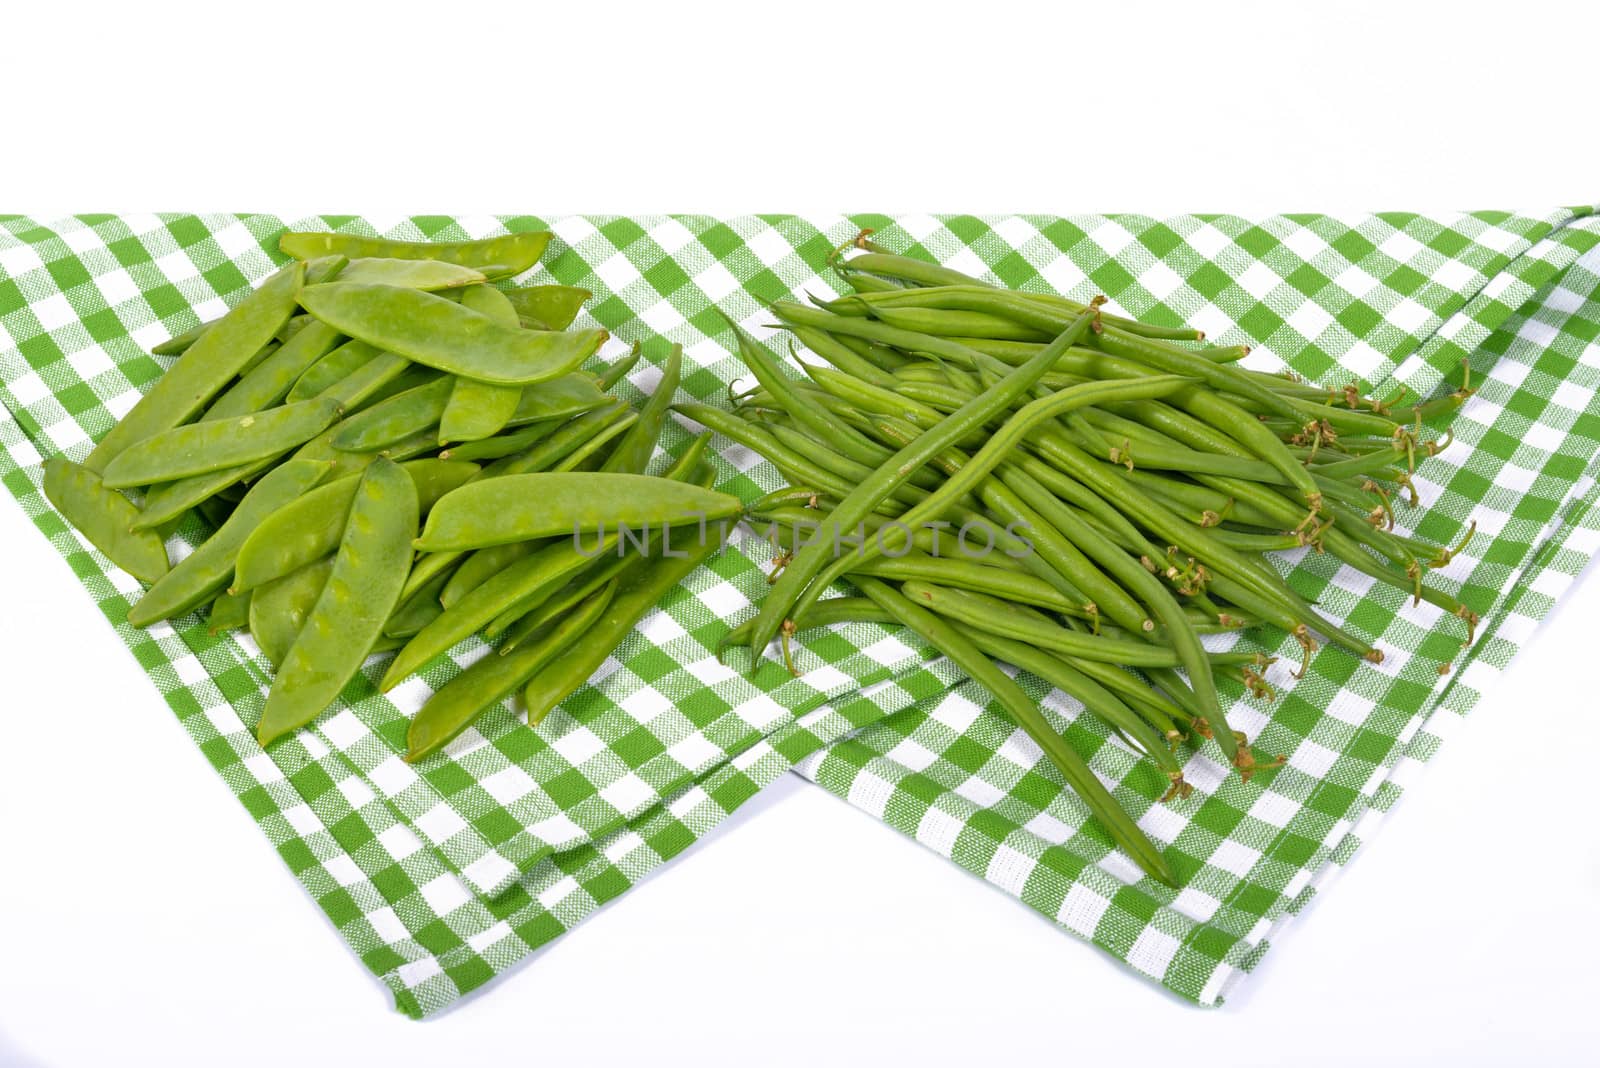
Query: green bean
362	590
200	448
412	274
1096	698
843	357
440	333
493	678
279	608
201	574
632	454
547	307
906	268
519	507
270	381
310	526
332	368
560	444
395	419
478	409
862	500
512	253
105	517
995	451
206	367
229	611
1077	774
957	323
639	589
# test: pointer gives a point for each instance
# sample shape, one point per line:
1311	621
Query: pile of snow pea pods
1023	479
394	453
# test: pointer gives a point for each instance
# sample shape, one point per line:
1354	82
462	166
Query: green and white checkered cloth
444	875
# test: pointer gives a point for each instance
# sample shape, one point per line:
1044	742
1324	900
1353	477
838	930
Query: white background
144	919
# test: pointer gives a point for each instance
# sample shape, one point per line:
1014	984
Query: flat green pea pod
559	398
334	367
347	620
270	381
441	333
639	589
412	274
492	679
367	381
395	419
309	527
557	504
494	448
207	366
481	566
279	609
230	611
105	517
633	452
480	409
179	343
199	448
509	254
419	609
547	307
204	572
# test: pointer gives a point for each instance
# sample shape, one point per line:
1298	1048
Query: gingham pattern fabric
444	875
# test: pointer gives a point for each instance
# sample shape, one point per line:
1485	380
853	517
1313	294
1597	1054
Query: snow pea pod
230	611
505	444
547	307
105	517
479	409
418	610
512	253
396	418
278	610
206	367
370	380
491	679
481	566
198	576
632	454
552	504
412	274
559	398
441	333
334	367
639	589
199	448
362	590
309	527
270	381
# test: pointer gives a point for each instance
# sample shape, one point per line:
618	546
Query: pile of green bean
366	390
1121	482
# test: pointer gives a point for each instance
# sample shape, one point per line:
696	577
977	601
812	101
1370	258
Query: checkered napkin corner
957	778
436	881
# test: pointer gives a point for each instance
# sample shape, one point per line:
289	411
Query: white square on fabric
489	870
302	820
1408	315
508	785
1081	910
617	272
399	841
344	730
1152	951
1454	275
1258	280
716	282
938	830
1305	243
440	823
1400	246
1309	320
577	746
870	793
444	894
1234	857
628	794
1313	758
1009	870
343	870
387	926
694	752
